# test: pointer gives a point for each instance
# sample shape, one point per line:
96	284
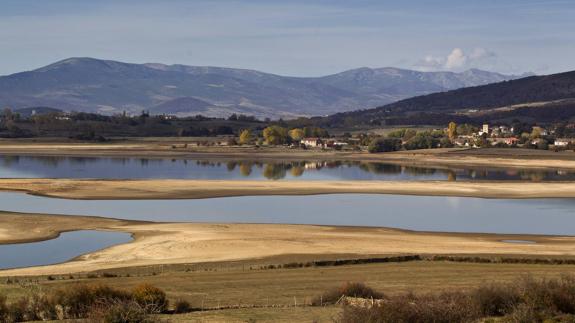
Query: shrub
182	306
3	309
528	300
556	295
496	300
347	289
445	308
121	311
380	145
151	298
77	300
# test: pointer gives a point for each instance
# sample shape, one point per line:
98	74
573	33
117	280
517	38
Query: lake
141	168
423	213
66	247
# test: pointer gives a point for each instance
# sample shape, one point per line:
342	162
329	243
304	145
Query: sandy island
177	243
192	189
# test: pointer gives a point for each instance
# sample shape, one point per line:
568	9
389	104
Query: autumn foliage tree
296	134
246	137
275	135
452	131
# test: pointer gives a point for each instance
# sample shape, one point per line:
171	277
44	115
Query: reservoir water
423	213
63	248
140	168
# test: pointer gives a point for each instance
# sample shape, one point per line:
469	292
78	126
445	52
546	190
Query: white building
562	142
312	142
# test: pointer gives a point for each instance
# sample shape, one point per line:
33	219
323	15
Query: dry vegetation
526	300
237	287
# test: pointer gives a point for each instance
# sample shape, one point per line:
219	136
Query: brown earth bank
189	243
93	189
188	148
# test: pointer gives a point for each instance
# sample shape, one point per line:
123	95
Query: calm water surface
139	168
451	214
67	246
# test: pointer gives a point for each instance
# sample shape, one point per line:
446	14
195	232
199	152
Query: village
505	136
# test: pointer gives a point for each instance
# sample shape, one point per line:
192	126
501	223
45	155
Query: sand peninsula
95	189
179	243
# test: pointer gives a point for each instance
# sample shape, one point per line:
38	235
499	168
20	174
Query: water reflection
94	167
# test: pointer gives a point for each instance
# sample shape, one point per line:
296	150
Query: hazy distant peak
107	86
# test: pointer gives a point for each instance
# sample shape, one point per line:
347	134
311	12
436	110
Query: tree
315	132
296	134
246	137
536	133
452	131
275	135
423	140
380	145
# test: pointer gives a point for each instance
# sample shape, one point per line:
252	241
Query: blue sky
304	38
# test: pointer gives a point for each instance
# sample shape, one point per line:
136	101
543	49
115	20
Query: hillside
537	98
103	86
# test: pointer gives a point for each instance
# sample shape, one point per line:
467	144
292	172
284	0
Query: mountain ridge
108	86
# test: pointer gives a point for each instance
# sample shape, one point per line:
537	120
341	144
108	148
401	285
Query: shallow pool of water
424	213
519	241
66	247
139	168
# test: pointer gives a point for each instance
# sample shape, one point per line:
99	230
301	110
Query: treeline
97	127
410	139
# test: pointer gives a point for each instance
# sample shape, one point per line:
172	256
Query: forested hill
530	89
546	98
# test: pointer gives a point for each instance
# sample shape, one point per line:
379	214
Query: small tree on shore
296	134
246	137
275	135
452	131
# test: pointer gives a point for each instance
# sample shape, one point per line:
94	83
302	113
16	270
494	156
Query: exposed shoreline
180	243
97	189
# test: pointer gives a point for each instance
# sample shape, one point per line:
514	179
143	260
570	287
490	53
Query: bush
119	312
77	300
446	308
3	309
348	289
526	301
496	300
100	303
182	306
380	145
151	298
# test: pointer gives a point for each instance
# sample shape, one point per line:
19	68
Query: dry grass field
235	284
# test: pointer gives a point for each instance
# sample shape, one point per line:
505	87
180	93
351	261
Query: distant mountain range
548	98
107	87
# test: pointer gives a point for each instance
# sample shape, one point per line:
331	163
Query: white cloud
458	60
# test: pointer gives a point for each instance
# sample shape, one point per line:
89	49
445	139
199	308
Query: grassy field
299	314
238	285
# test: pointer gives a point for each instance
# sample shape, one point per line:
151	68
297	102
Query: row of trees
410	139
278	135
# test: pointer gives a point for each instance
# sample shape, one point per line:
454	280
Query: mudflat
179	243
93	189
